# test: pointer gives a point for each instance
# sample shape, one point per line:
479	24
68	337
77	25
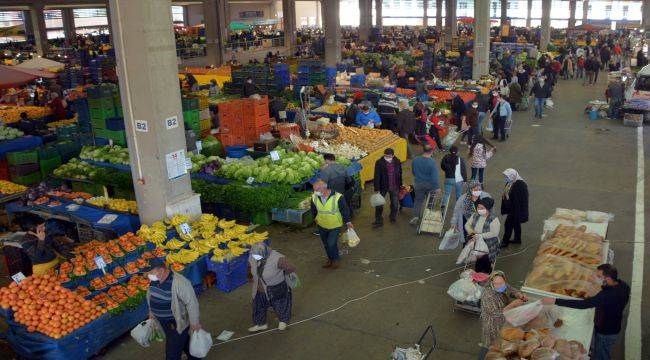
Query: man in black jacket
406	125
388	179
350	112
609	303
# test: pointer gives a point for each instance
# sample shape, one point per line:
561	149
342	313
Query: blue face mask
501	289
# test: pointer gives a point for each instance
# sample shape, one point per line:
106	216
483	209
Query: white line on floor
633	330
418	281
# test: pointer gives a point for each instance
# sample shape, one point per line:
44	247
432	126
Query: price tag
171	122
72	207
282	114
199	146
101	264
250	180
107	219
141	126
186	229
110	142
18	277
274	155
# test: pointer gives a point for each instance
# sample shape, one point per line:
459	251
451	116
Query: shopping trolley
432	217
473	307
415	352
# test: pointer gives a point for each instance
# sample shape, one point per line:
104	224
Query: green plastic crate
118	137
48	165
29	179
102	113
67	131
68	147
98	123
47	152
118	111
90	188
22	157
101	104
190	103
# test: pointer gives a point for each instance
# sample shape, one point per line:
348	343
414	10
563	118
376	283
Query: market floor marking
633	350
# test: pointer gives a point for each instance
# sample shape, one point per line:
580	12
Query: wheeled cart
432	218
415	352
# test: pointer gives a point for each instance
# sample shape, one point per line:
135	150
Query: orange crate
257	121
232	130
229	140
287	129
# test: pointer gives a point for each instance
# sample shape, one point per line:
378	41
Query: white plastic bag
377	200
463	290
472	251
352	238
200	343
450	241
142	333
489	126
549	103
523	314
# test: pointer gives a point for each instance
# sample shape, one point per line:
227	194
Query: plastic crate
22	157
115	124
68	147
118	137
90	188
67	131
302	218
205	124
102	114
48	165
189	103
230	274
630	119
27	180
23	169
47	152
101	104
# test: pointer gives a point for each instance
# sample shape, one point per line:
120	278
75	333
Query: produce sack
523	314
200	343
352	238
450	241
143	333
377	200
464	290
472	251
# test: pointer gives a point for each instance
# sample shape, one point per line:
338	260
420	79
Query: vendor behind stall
26	125
40	245
368	117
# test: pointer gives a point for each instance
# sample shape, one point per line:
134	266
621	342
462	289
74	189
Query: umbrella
11	77
40	63
37	73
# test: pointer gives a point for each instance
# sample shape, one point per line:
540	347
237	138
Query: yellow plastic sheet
368	163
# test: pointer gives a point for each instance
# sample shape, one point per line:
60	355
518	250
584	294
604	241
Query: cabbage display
291	168
110	154
75	169
9	133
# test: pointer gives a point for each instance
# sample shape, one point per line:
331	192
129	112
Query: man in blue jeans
425	173
330	212
541	91
609	303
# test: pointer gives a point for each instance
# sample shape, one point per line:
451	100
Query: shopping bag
472	251
489	126
407	201
352	238
463	290
450	241
143	333
523	314
200	343
292	280
523	105
549	103
377	200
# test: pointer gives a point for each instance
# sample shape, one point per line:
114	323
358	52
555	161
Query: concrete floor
361	310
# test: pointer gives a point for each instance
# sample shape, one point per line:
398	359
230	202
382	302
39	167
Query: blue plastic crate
230	274
115	123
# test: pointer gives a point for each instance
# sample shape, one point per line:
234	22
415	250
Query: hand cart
432	218
414	352
472	307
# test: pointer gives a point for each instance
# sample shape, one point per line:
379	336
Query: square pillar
150	92
572	13
528	13
585	10
504	11
289	24
481	60
365	19
215	31
332	25
69	29
425	18
439	15
450	20
545	37
645	11
36	12
379	21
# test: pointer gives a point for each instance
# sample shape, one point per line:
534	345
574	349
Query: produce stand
19	144
368	163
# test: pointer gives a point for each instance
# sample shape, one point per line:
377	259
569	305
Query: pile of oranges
42	305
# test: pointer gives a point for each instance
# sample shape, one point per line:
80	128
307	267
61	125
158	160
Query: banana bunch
178	219
206	225
254	238
235	249
183	256
174	244
225	224
156	233
202	246
219	255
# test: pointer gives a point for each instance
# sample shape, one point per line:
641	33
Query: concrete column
585	11
528	13
545	37
425	18
481	61
439	15
332	25
646	15
365	19
149	90
40	32
289	24
504	11
379	21
68	25
572	13
27	23
215	31
110	26
186	19
450	20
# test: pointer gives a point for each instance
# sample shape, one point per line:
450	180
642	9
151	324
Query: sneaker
257	328
316	233
282	326
414	220
335	264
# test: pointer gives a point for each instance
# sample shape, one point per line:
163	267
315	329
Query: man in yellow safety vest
330	213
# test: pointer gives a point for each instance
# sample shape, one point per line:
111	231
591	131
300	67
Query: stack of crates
71	77
67	132
311	73
95	68
256	119
330	74
80	106
191	115
23	167
113	133
48	160
231	130
261	75
101	102
282	76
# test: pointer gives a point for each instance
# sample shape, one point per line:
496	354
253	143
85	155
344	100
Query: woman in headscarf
484	225
496	296
514	204
466	206
270	288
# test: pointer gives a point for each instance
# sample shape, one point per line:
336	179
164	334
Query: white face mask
482	212
318	193
476	193
257	257
389	159
153	277
475	106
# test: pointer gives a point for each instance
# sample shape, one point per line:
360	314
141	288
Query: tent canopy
586	27
11	76
40	64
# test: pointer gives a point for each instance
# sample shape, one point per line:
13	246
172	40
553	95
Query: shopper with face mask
330	212
496	296
484	225
514	204
172	302
270	288
540	91
466	206
610	303
388	180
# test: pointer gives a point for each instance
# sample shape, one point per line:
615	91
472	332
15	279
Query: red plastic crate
4	170
288	129
257	121
229	140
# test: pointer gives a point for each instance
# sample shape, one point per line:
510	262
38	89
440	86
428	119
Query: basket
302	218
22	157
27	180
